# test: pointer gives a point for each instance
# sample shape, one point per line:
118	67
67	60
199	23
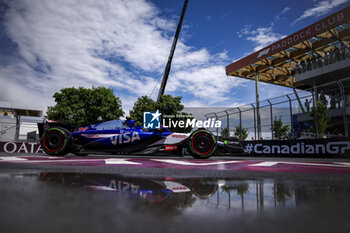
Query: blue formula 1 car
116	137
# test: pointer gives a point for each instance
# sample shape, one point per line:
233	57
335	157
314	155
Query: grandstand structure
277	63
315	59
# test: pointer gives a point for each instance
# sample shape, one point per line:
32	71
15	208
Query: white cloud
261	37
268	91
119	44
70	45
285	10
320	8
208	84
195	103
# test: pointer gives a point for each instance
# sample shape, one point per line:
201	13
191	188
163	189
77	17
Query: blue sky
124	45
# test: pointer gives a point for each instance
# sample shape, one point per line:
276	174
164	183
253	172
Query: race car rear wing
47	124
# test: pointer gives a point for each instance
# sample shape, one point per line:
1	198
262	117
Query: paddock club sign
303	147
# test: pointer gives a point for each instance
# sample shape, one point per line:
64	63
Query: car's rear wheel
201	144
56	141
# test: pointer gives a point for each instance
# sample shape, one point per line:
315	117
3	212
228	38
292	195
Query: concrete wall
7	128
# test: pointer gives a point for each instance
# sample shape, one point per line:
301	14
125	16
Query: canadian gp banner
300	147
21	147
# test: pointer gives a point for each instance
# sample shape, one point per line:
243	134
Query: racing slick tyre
201	144
56	141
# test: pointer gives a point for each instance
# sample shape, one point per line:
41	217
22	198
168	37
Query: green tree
225	133
279	130
143	104
82	106
238	131
323	120
167	105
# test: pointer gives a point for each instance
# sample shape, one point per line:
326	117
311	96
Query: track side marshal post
168	65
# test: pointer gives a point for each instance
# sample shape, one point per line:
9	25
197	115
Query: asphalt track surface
242	194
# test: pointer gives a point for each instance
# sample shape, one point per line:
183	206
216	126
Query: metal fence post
254	121
271	118
291	114
228	123
314	104
240	123
257	104
298	99
342	93
217	129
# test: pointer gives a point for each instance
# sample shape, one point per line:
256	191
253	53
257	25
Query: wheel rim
202	143
53	141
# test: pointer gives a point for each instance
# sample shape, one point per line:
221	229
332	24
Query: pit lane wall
299	148
12	147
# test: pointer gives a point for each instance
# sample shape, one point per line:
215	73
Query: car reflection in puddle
179	192
238	195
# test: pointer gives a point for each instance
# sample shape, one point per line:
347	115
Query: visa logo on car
125	138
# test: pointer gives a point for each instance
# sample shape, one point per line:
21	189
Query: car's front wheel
201	144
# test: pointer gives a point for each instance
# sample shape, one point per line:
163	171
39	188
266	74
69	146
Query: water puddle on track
90	202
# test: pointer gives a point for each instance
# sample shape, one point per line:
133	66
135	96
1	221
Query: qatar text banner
21	147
